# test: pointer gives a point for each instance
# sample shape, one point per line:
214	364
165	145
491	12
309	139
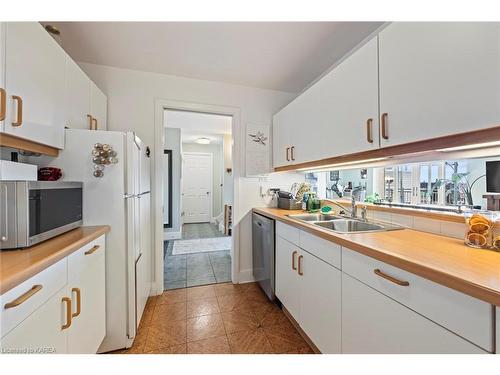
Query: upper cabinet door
438	79
343	117
77	97
35	83
281	137
98	107
3	93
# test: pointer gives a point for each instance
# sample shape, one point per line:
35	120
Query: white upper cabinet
35	84
438	79
3	93
77	97
343	114
98	107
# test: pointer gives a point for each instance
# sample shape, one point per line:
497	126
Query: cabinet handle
293	261
91	121
300	265
3	104
288	154
19	101
78	302
385	133
390	278
92	251
67	300
292	149
94	122
25	296
369	133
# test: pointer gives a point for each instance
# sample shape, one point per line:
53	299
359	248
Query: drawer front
373	323
287	232
466	316
51	281
85	257
325	250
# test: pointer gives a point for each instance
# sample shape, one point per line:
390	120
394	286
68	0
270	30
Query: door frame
237	135
169	153
211	198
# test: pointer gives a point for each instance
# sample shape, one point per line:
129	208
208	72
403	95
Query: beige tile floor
215	319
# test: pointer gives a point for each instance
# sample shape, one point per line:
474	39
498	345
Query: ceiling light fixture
203	141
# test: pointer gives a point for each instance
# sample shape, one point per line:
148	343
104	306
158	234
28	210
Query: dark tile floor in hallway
216	319
188	270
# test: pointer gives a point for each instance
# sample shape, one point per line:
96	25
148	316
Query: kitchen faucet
353	201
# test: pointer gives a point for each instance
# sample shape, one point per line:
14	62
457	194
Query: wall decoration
257	150
364	174
334	175
102	155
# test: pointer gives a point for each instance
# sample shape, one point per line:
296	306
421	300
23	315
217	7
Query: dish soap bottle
305	198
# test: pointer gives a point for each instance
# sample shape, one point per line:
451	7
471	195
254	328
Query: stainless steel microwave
34	211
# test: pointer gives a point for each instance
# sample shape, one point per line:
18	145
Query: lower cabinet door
320	303
374	323
42	331
86	270
287	279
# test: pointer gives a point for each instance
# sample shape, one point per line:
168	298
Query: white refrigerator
121	199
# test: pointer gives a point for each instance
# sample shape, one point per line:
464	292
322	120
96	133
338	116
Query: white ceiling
284	56
196	125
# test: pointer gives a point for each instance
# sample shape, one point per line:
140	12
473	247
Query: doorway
197	187
197	239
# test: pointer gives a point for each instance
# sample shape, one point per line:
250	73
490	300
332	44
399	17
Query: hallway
196	268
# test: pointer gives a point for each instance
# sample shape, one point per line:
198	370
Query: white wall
217	160
173	142
131	98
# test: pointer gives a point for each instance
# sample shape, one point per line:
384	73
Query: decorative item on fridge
102	155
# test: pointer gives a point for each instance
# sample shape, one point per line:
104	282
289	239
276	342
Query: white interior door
197	187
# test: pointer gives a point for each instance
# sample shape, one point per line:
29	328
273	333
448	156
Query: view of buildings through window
441	183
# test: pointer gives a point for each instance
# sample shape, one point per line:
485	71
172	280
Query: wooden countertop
17	266
444	260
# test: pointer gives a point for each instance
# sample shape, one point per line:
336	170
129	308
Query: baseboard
246	276
172	236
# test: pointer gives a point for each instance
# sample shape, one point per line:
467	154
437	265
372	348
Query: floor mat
201	245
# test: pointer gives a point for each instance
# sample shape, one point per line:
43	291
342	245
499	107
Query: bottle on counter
305	198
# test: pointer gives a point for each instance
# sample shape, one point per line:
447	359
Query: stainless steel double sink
341	224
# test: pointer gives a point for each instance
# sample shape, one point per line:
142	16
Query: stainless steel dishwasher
263	253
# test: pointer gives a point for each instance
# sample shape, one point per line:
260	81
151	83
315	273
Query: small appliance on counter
35	211
286	201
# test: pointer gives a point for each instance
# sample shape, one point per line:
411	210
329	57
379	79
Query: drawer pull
35	289
91	121
300	265
67	300
78	302
385	133
369	135
3	103
93	250
19	120
390	278
294	267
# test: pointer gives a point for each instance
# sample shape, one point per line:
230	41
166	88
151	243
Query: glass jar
495	238
479	229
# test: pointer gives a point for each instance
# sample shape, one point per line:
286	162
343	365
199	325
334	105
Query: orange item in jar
476	239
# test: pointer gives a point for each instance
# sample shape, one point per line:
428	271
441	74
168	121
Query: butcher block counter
444	260
17	266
